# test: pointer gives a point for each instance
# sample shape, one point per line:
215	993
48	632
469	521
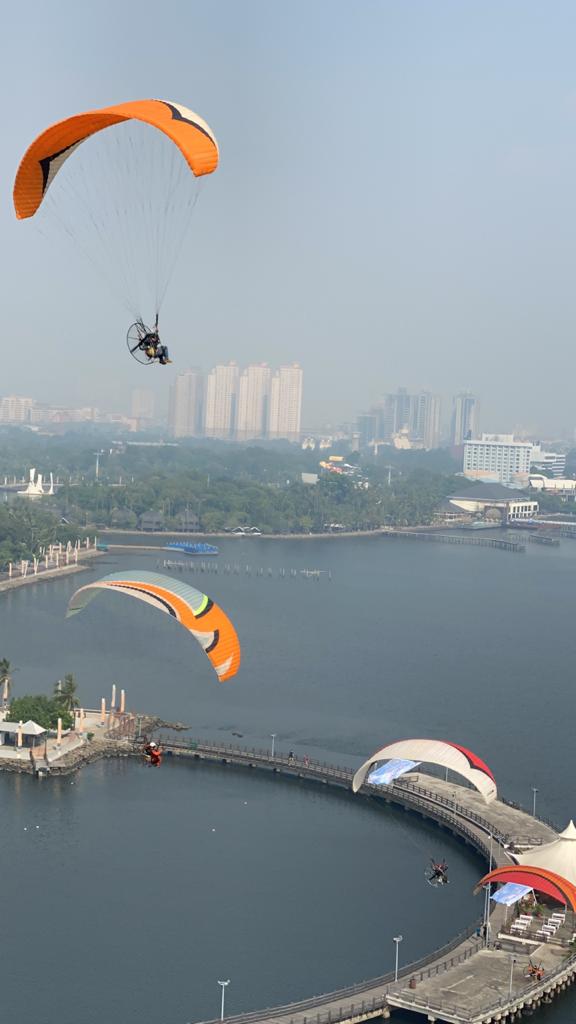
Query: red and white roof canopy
445	754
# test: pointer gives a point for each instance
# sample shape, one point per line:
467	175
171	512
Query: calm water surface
125	893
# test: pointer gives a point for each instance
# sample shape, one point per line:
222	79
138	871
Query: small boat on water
192	549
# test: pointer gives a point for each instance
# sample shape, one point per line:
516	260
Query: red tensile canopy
548	882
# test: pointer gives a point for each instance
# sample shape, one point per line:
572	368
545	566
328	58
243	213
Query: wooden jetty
468	981
535	537
456	538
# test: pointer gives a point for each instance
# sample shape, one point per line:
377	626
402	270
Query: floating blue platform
192	549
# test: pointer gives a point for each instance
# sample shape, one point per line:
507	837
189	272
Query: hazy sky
394	205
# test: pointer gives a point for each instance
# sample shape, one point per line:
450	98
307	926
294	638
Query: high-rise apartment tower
286	403
186	404
221	401
253	402
142	408
465	418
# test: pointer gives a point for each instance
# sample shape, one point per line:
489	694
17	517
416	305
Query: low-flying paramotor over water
192	609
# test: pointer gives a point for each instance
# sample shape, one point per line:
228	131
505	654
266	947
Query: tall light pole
487	889
534	791
223	984
397	940
273	738
512	962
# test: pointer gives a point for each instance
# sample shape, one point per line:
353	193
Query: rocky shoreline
71	762
95	749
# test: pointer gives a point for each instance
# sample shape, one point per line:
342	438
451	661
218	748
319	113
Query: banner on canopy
386	773
510	893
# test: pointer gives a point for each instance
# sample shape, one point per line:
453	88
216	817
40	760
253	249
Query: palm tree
5	679
65	690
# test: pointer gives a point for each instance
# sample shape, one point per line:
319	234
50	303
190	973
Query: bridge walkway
476	985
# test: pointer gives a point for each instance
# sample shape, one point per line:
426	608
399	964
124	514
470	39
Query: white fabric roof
558	856
29	728
439	752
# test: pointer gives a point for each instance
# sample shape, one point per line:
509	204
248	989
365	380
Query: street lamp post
397	940
487	889
512	962
223	984
273	737
534	791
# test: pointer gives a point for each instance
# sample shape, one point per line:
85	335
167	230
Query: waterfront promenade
465	982
49	569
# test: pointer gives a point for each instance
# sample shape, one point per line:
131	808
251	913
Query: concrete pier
464	982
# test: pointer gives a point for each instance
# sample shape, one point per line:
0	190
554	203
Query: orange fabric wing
51	149
197	612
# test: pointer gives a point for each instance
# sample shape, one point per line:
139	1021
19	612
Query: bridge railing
466	812
346	1006
413	794
345	1003
314	767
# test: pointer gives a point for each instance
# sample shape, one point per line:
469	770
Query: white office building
16	409
554	462
498	458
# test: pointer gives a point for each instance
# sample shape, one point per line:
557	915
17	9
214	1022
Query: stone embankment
90	751
119	741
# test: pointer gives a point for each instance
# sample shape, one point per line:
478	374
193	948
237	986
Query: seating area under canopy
534	920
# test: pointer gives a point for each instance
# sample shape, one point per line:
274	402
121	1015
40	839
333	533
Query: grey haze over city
394	204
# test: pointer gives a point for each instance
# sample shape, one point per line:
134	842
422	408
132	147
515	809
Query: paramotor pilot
153	754
154	349
438	872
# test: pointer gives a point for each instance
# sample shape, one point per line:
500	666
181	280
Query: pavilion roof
29	728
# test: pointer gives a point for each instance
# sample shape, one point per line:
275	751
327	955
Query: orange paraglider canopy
49	151
540	879
204	619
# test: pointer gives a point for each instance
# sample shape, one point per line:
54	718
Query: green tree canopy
39	708
65	692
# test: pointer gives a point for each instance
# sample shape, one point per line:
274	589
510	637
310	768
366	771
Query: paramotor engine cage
137	332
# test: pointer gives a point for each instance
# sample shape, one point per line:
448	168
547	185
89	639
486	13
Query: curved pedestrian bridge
467	981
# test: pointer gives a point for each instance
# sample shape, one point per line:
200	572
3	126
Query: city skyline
238	403
407	419
424	257
452	417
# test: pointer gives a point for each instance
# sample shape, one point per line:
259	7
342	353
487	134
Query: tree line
212	486
27	528
187	500
39	708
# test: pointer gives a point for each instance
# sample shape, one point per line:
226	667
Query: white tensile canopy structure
558	856
445	754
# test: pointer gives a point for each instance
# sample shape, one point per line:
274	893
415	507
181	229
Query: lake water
125	902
